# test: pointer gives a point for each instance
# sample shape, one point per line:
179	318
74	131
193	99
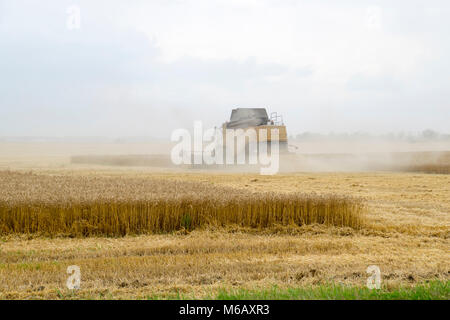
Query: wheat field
400	222
405	231
95	206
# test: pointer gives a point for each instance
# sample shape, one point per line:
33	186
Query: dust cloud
304	155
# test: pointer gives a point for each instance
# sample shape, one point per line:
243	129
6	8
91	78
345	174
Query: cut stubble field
403	226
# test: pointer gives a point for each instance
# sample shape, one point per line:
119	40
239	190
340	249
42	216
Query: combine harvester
252	125
257	119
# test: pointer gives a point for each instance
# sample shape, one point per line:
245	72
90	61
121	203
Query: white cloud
348	60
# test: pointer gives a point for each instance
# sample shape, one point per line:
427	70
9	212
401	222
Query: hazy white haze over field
144	68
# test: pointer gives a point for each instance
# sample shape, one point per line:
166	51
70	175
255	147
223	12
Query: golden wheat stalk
80	206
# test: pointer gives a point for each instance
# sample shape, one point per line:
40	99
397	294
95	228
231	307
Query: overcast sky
144	68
